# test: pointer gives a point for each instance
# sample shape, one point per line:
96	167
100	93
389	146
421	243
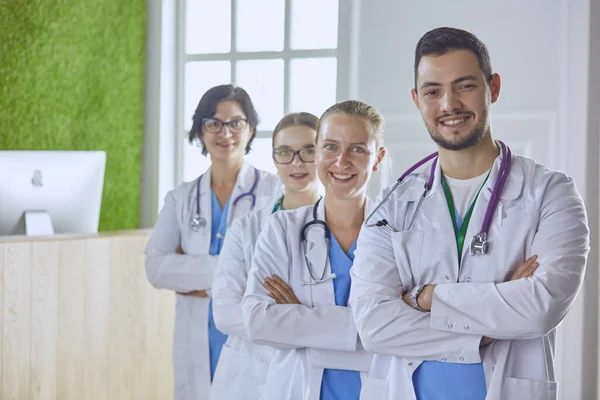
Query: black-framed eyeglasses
214	125
286	156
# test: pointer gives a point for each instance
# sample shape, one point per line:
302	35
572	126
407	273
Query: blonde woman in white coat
182	252
243	365
298	289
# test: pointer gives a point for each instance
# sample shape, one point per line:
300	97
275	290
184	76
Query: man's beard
471	139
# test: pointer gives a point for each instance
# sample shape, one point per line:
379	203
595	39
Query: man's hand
196	293
426	297
280	291
526	269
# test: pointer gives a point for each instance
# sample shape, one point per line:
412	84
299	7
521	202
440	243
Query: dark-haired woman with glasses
183	250
243	365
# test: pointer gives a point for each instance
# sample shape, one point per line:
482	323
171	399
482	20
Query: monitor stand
38	223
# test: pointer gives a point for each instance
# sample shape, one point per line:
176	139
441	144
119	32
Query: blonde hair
356	108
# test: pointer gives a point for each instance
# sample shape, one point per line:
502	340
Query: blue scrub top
340	384
218	228
435	380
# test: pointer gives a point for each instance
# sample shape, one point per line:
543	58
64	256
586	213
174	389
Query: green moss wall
72	78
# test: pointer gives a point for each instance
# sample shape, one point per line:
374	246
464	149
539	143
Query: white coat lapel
434	209
199	242
317	256
512	190
317	249
243	184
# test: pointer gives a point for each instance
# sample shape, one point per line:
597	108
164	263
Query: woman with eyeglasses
243	365
299	282
183	249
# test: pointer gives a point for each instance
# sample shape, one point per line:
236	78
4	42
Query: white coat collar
512	188
315	236
243	183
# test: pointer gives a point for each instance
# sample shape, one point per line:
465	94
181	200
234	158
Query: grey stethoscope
199	222
479	242
316	222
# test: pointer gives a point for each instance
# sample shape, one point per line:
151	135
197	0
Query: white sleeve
166	269
529	307
230	283
358	360
289	325
385	323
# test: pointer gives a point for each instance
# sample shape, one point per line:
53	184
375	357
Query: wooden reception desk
79	320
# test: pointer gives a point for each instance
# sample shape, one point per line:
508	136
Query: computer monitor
46	192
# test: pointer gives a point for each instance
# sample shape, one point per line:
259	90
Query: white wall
541	50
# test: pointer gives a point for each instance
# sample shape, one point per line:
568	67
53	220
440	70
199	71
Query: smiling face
454	98
230	142
347	155
297	175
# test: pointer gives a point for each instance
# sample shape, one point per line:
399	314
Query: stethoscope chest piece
198	223
479	244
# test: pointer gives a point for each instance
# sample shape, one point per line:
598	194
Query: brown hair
356	108
296	119
207	107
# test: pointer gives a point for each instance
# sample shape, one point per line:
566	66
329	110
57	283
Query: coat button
410	364
467	327
447	278
462	359
450	326
469	279
444	359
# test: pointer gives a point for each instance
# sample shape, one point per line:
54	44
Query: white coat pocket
408	247
516	388
373	389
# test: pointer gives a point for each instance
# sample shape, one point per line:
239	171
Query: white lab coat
311	336
194	270
540	212
243	365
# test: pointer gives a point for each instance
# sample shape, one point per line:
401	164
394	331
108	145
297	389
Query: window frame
341	54
164	135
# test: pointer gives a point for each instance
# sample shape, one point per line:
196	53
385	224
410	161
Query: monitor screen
64	185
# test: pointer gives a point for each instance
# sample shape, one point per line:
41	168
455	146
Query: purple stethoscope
199	222
479	242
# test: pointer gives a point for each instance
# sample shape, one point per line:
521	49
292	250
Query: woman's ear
380	156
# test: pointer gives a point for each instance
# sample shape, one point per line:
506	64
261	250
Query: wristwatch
414	295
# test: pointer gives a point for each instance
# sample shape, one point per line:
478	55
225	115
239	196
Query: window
283	52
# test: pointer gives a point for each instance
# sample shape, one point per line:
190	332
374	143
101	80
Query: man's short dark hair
440	41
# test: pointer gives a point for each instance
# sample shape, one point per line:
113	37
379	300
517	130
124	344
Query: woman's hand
280	291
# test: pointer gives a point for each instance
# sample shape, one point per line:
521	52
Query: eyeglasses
286	156
214	125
